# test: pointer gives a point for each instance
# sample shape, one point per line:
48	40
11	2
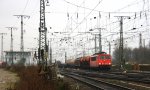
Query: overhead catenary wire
117	11
112	22
25	6
117	21
86	16
138	17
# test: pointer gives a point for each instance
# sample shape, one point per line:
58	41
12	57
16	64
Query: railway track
96	84
131	76
135	77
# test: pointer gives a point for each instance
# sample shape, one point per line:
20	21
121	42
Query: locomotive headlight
99	63
109	63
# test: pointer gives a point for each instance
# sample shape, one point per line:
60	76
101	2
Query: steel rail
96	84
135	77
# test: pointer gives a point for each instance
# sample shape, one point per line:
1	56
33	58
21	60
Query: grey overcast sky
73	16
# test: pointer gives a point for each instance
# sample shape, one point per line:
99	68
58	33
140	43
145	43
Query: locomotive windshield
104	57
107	57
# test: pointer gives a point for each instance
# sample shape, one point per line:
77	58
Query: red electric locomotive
96	61
101	61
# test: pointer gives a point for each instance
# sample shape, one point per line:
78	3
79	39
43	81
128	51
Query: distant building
17	57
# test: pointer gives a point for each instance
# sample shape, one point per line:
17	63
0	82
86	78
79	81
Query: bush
30	80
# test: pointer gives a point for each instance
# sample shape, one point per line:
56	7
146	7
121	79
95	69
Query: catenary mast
43	48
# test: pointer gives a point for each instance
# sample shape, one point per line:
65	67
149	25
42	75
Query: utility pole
140	40
95	44
95	41
144	43
121	55
100	43
22	40
121	43
100	35
149	44
11	44
109	48
2	37
100	38
65	57
50	52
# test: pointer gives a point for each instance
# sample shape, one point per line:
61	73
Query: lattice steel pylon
43	50
121	46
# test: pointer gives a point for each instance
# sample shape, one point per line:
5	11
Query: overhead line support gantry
11	44
2	34
121	54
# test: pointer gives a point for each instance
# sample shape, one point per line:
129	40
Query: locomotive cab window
93	58
107	57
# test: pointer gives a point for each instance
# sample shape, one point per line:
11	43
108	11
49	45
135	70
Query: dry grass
7	79
30	80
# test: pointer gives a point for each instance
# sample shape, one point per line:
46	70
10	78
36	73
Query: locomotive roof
100	53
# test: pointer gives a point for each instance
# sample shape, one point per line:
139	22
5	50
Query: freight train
102	61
